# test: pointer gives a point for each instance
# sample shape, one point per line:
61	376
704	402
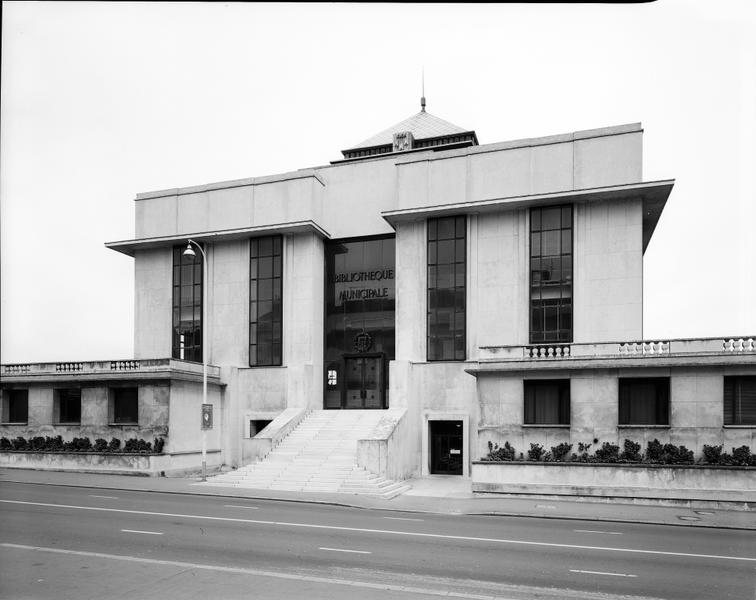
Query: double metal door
364	381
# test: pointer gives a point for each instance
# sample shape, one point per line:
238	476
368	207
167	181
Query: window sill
752	426
547	425
266	366
130	424
644	426
68	423
15	423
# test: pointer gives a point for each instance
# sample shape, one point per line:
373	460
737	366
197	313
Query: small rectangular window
125	406
257	425
68	409
547	402
740	400
644	401
15	406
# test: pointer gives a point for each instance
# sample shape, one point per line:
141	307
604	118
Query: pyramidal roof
421	125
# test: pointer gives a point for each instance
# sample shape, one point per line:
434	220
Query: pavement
437	494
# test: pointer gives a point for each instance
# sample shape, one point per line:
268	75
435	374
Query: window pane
446	289
551	274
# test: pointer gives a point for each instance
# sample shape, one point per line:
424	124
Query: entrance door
363	381
446	447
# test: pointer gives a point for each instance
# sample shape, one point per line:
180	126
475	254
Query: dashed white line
403	519
345	550
381	587
138	531
107	497
602	573
592	531
435	536
240	506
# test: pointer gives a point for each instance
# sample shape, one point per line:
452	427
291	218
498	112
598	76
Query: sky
101	101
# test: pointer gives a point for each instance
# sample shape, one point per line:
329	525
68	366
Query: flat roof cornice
223	185
128	247
654	194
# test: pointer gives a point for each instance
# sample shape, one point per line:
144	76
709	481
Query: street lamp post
189	251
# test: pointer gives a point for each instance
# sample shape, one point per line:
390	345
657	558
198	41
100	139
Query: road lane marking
257	572
402	519
240	506
138	531
603	573
545	506
108	497
382	531
592	531
345	550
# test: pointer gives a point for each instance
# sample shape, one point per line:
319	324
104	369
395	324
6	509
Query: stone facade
495	186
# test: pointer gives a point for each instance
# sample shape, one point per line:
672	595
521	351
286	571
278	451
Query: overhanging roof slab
653	193
129	247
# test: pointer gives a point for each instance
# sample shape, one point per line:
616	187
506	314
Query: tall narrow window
446	288
740	400
551	274
265	301
187	305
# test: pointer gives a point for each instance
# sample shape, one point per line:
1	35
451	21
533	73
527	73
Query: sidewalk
437	494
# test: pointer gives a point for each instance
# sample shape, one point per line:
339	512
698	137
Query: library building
391	313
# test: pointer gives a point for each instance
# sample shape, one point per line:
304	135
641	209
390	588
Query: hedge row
655	453
56	444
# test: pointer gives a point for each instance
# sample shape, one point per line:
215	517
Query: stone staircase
320	455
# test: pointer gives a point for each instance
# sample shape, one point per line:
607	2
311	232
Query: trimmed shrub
741	456
631	452
114	445
100	445
506	453
654	452
713	455
561	451
37	443
131	445
20	443
608	453
158	445
582	455
536	452
677	455
5	444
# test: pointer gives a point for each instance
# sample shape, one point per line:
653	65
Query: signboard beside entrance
207	416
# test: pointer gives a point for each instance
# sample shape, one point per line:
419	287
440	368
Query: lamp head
189	251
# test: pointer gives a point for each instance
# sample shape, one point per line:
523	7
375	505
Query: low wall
693	482
114	463
386	450
258	447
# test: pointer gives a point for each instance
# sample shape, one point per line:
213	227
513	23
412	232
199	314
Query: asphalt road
61	542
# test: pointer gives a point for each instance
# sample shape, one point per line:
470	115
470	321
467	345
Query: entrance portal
359	321
446	447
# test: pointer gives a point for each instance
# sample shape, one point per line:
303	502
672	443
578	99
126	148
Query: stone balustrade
89	368
630	349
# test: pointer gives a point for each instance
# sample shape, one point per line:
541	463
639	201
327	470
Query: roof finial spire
422	98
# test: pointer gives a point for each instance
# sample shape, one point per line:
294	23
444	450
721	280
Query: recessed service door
446	447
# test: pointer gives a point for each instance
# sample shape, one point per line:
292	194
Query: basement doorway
446	447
